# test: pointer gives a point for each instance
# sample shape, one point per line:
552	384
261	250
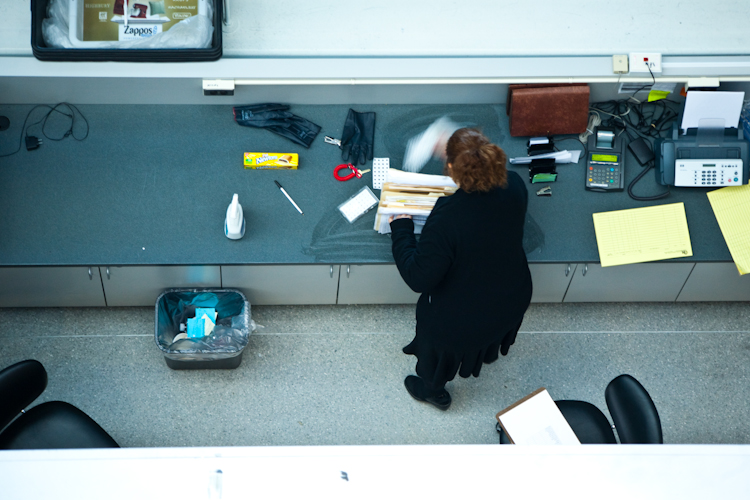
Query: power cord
638	177
63	108
579	141
643	119
594	121
640	121
643	152
653	82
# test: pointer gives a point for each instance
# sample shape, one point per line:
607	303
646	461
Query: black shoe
416	389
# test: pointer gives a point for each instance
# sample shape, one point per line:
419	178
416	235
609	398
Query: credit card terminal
605	162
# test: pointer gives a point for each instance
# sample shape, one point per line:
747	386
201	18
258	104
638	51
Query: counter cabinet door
51	287
374	284
551	281
142	285
716	281
651	282
284	284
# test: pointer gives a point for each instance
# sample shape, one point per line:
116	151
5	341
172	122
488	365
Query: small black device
641	150
605	162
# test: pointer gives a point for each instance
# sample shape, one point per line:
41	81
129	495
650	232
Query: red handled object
355	172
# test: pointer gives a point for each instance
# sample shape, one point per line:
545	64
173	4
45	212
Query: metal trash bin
220	350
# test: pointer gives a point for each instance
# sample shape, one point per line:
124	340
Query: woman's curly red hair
476	163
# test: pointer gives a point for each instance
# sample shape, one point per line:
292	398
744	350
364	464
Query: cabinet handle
331	272
567	270
107	272
347	270
91	275
585	269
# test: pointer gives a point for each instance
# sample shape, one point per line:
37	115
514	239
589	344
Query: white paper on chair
536	419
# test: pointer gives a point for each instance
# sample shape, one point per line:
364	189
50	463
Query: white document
415	179
564	156
384	213
536	419
701	105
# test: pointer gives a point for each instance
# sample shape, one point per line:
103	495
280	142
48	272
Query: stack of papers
642	234
731	206
410	194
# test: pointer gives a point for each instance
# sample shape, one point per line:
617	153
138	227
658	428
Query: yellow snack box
277	161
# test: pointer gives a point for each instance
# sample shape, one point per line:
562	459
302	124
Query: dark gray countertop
151	184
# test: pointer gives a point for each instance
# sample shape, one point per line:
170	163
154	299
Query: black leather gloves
356	141
277	119
358	137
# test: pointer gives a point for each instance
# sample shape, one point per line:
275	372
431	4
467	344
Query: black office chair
51	425
631	407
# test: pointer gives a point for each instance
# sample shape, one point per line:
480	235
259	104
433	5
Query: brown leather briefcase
548	109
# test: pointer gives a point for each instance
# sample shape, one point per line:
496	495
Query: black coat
471	269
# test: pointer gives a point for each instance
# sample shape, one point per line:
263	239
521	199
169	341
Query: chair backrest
633	412
20	385
587	421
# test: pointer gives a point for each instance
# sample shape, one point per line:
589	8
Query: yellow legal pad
731	206
642	234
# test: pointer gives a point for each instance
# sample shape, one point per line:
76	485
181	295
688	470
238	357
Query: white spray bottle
234	225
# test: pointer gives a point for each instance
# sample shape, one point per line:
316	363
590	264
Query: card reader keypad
605	165
604	176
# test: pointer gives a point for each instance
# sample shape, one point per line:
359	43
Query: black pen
289	197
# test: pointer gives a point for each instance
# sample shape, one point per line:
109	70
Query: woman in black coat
470	267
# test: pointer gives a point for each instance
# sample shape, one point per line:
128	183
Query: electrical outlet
620	64
641	62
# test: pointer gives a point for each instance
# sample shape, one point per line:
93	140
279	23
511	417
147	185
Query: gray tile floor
333	375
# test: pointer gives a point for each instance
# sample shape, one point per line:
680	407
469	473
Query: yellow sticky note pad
657	95
731	206
642	234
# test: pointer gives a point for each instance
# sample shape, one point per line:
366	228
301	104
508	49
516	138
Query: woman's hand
394	217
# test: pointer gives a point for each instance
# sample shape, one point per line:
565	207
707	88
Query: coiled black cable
646	168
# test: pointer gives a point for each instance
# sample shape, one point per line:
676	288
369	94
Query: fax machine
704	157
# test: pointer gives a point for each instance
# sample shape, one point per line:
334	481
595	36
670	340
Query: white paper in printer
104	20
